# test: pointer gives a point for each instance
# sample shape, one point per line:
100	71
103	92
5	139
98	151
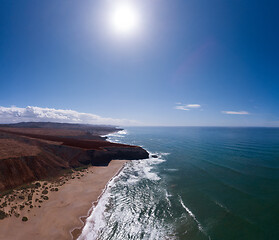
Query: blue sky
220	56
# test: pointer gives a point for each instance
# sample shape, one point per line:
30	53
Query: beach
62	213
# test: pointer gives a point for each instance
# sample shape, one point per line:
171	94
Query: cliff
29	154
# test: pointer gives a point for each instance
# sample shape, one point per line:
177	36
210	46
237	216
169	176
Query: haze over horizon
140	62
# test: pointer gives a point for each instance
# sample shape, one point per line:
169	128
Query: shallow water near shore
207	183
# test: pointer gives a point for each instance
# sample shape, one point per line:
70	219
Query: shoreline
64	215
76	232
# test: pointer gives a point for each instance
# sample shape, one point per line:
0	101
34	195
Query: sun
124	18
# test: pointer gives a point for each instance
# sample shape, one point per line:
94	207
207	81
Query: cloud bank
236	113
37	114
186	107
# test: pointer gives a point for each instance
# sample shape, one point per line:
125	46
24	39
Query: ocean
207	183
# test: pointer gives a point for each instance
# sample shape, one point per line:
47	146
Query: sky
169	63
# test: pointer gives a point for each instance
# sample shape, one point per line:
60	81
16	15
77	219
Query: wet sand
61	213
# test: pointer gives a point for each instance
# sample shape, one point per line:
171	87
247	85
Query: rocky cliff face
49	163
104	156
51	158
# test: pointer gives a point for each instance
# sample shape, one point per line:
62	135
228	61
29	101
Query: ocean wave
143	169
96	221
171	169
222	206
193	217
125	201
167	195
118	134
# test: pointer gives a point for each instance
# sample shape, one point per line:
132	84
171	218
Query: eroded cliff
29	154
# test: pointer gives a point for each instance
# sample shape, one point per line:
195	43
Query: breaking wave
129	207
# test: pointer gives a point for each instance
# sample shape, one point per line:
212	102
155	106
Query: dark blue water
208	183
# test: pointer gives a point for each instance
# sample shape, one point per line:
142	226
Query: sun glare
124	18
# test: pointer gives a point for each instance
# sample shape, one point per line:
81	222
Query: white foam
120	133
159	154
171	169
132	173
96	221
191	214
127	212
168	198
144	169
222	206
164	154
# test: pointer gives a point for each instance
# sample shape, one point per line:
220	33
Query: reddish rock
30	156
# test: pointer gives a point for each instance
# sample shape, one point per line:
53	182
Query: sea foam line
120	133
96	222
144	167
193	216
98	206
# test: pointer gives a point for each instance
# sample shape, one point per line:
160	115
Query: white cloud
193	105
182	108
186	107
15	114
236	113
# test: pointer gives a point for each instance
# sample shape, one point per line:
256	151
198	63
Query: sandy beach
60	214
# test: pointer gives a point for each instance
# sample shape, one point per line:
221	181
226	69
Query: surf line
194	217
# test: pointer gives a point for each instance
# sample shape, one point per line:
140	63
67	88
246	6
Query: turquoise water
208	183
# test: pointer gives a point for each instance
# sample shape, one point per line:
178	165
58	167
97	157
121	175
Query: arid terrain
55	208
35	151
